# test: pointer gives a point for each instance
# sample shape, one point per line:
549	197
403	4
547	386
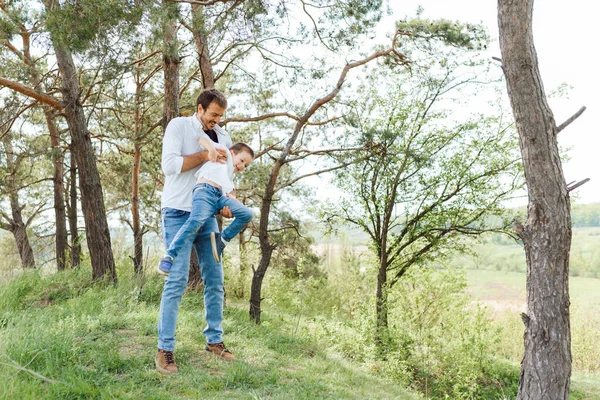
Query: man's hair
208	96
240	147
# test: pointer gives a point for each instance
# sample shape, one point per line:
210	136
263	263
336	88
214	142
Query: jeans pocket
172	212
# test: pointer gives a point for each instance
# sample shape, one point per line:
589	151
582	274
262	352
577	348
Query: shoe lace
169	357
221	347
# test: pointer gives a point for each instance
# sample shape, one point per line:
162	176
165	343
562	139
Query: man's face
241	160
211	116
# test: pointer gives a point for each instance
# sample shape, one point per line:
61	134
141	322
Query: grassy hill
63	338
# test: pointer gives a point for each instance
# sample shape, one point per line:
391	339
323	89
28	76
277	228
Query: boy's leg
175	283
242	216
204	206
212	276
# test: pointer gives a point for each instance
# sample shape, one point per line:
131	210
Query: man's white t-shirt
221	174
181	139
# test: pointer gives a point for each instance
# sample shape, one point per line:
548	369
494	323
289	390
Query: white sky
564	37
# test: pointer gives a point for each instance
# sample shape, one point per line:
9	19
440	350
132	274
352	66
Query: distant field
507	289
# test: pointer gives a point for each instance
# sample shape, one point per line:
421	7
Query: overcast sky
565	37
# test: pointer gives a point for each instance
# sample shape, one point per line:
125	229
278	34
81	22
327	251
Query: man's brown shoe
219	350
165	362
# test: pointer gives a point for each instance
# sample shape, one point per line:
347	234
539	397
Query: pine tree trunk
92	199
546	235
138	244
72	215
208	77
19	230
60	215
15	223
170	62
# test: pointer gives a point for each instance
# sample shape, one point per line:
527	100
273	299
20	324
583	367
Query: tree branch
568	122
17	87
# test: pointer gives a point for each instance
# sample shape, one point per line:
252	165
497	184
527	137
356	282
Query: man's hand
222	157
226	212
213	155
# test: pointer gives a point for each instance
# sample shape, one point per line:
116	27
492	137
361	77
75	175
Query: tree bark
546	235
15	223
138	244
72	215
201	41
170	62
92	199
381	297
60	215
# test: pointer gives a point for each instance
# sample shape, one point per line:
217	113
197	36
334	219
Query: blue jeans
207	200
175	283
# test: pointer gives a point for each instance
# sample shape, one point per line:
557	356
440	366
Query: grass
63	338
502	286
504	294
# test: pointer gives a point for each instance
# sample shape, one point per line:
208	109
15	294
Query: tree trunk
72	215
239	291
60	215
194	276
15	223
381	297
266	247
546	235
19	230
201	41
170	62
138	244
92	199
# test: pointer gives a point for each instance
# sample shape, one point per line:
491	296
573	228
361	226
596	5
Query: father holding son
182	154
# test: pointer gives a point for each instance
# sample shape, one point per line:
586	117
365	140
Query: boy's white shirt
181	139
221	174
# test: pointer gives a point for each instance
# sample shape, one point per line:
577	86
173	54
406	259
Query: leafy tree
429	180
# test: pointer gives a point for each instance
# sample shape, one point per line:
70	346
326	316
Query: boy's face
241	160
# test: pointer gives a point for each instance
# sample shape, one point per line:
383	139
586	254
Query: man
181	157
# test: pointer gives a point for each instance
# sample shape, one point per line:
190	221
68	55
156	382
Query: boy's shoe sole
160	270
213	245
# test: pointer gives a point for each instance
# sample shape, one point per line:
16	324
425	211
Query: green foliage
77	24
450	33
430	180
445	345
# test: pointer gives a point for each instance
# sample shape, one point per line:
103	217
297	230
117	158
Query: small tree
427	182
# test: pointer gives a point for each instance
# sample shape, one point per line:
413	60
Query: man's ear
199	108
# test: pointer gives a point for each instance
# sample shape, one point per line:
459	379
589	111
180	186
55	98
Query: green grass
509	287
63	338
504	294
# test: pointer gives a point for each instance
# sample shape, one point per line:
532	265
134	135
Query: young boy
213	191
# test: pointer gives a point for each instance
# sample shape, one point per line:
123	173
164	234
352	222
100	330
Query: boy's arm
208	145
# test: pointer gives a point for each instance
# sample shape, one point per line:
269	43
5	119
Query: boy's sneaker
217	245
219	350
164	265
165	362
